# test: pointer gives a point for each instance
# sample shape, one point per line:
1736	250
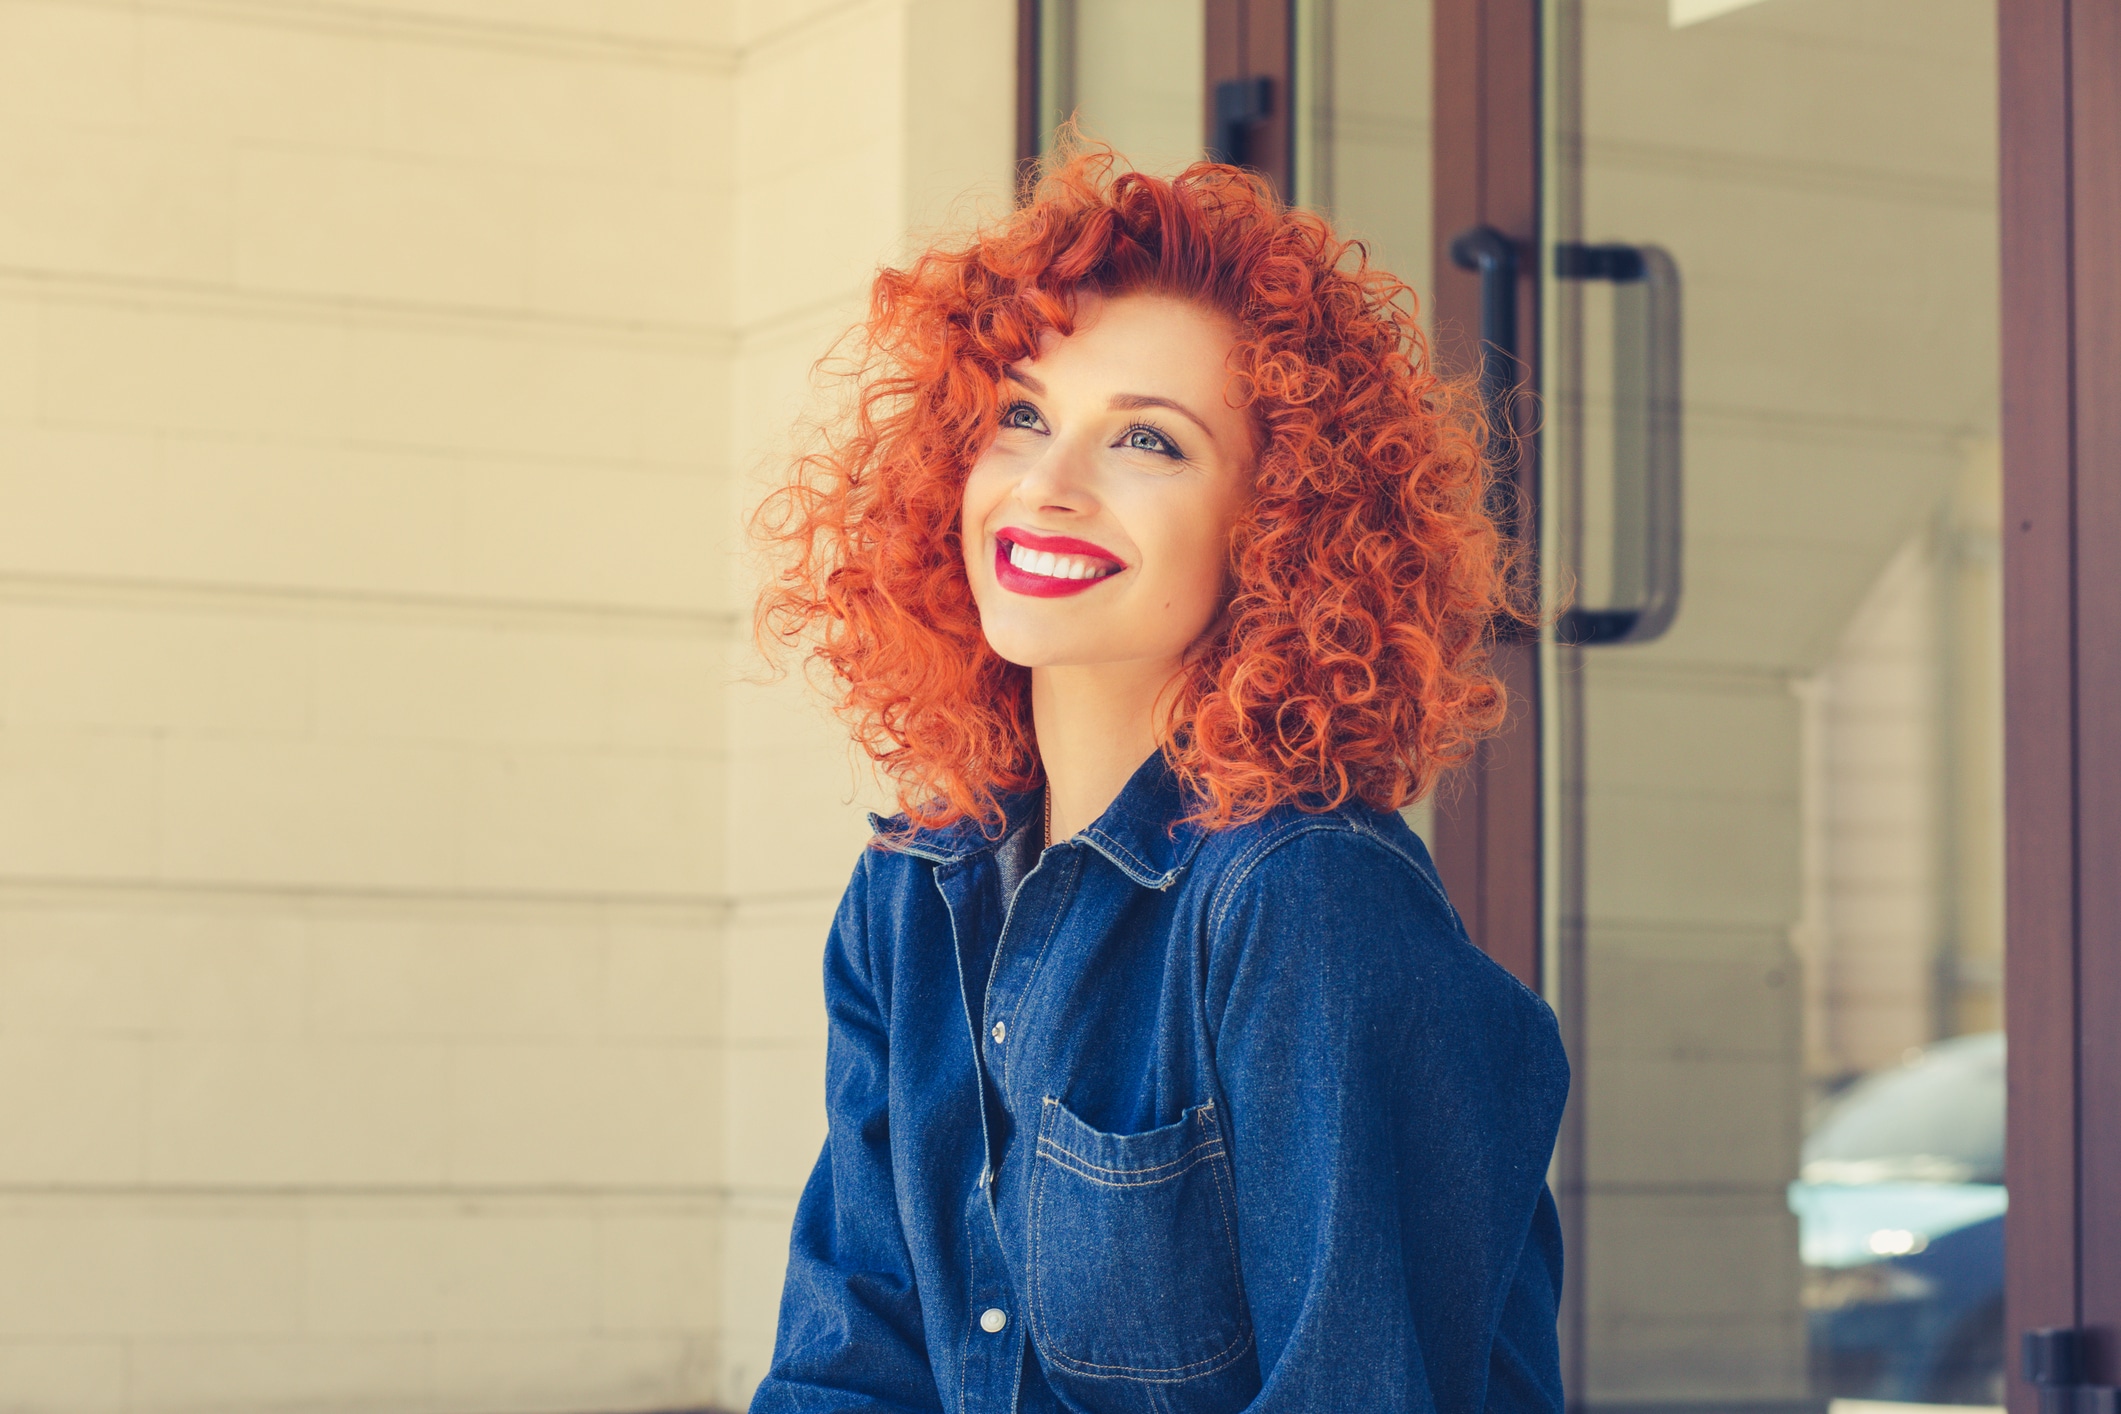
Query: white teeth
1052	566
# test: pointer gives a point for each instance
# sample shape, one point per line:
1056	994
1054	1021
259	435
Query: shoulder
1351	859
890	890
1347	907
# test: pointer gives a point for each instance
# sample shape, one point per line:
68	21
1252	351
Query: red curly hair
1367	572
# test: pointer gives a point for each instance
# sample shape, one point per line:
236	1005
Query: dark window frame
2060	207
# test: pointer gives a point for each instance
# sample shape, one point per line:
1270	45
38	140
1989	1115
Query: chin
1041	646
1020	633
1033	633
1026	650
1033	651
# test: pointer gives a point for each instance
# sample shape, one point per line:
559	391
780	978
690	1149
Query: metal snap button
1000	1032
993	1319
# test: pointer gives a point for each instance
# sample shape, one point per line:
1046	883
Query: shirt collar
1144	831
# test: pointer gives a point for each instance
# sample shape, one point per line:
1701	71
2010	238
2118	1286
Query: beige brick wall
409	919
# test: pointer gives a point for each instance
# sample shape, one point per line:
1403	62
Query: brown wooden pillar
2095	235
1487	173
2061	244
1250	52
1030	141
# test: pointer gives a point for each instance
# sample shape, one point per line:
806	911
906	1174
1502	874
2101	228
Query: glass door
1756	256
1773	697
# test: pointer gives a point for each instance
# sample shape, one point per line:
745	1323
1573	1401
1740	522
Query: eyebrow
1122	401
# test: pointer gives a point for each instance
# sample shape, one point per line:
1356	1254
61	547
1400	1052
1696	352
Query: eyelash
1169	447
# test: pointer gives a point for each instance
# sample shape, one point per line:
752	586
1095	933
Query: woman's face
1097	523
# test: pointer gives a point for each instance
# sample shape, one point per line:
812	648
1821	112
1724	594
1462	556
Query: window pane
1363	125
1782	825
1131	71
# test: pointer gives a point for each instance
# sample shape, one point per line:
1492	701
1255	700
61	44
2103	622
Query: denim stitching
1034	1278
1414	864
964	1351
1144	1374
1156	1374
1060	907
1237	1268
911	843
1142	873
1241	870
1248	864
933	856
868	957
1160	1374
1436	888
1067	1152
1051	1152
1053	1105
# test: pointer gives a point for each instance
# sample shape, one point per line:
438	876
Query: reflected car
1900	1206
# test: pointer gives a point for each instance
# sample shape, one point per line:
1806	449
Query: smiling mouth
1048	566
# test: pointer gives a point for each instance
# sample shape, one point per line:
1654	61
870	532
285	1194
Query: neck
1096	725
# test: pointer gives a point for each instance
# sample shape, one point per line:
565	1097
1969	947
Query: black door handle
1648	529
1494	256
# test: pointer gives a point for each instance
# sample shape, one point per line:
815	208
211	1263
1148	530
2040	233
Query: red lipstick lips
1049	566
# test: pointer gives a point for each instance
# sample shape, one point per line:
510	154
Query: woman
1152	566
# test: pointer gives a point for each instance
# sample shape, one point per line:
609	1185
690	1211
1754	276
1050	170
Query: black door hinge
2055	1360
1240	106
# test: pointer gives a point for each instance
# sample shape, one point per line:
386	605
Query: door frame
1486	172
2060	207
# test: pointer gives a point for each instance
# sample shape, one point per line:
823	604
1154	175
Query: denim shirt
1194	1122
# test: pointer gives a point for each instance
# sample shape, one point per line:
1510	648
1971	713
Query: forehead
1140	339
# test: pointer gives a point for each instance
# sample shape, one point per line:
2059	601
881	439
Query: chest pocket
1136	1297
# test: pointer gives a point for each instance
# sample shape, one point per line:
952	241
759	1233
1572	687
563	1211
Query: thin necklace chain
1046	838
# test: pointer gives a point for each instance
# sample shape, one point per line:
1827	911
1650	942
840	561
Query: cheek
982	490
1192	558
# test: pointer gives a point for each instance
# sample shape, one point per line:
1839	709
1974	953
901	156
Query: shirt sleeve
1393	1097
1524	1367
850	1335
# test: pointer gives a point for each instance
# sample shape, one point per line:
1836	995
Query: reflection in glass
1900	1207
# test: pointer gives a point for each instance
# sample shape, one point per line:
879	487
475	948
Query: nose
1060	479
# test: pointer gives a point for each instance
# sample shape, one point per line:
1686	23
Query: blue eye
1023	415
1141	437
